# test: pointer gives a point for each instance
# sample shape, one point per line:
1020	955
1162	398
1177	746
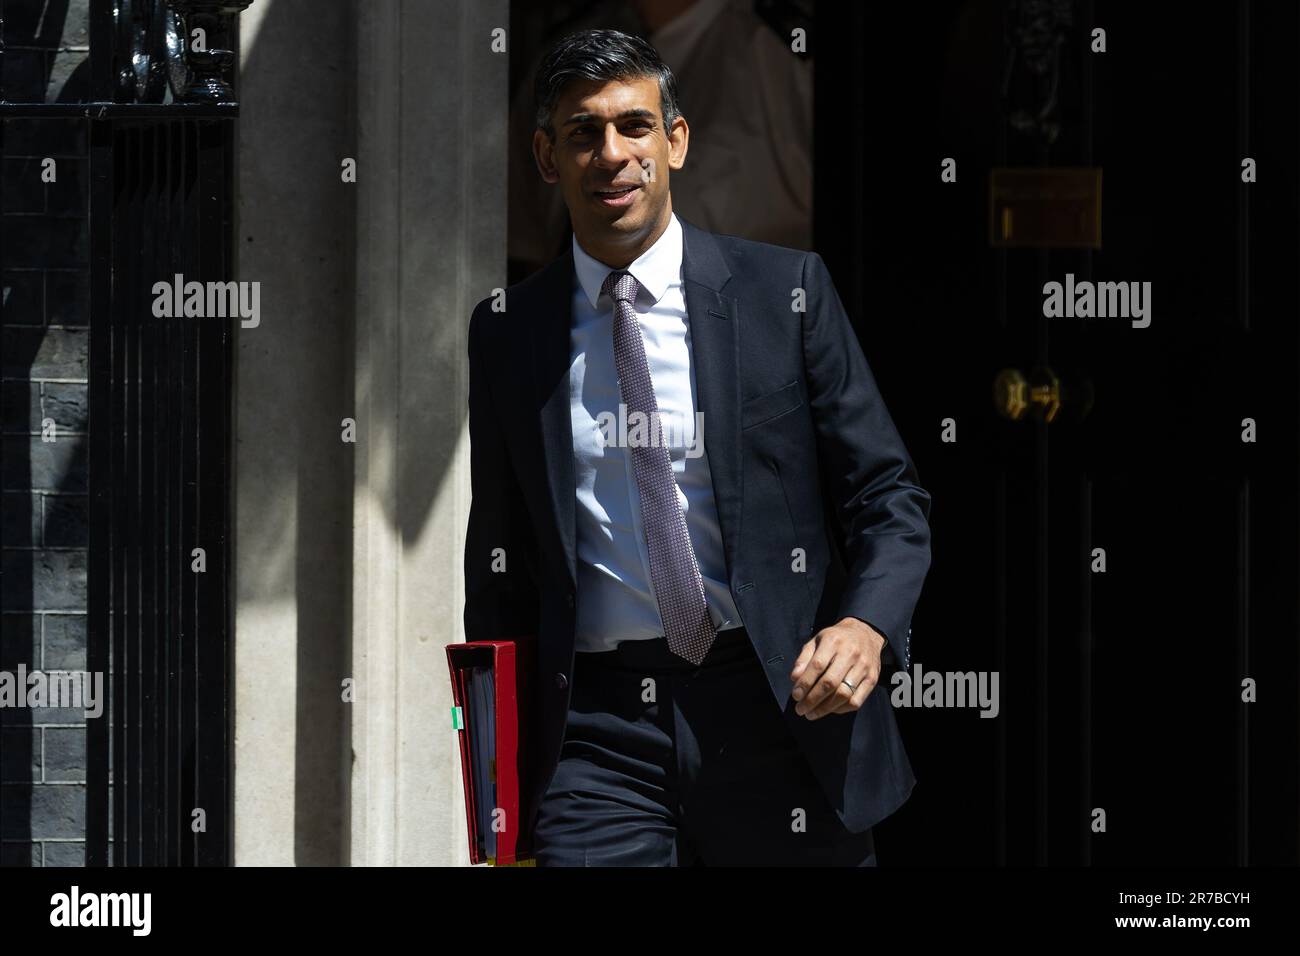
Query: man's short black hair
600	55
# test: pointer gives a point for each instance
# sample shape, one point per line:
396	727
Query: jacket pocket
772	405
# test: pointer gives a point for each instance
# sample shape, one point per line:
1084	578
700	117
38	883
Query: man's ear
678	140
544	156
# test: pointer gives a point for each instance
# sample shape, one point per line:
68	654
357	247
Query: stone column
348	555
431	241
295	235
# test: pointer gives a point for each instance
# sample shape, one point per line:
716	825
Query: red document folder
511	662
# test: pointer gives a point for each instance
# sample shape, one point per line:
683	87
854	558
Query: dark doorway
1120	690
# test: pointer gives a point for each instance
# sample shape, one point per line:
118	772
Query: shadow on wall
295	560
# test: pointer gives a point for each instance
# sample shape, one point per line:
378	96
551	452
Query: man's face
610	135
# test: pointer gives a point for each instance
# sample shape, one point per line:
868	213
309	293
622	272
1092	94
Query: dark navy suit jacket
803	454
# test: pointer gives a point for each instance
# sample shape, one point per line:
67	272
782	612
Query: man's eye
584	130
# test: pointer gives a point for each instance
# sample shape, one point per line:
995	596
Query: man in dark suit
686	485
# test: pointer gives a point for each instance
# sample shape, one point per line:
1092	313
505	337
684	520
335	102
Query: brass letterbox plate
1045	208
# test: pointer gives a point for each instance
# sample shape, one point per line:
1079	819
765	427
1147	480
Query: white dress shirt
615	599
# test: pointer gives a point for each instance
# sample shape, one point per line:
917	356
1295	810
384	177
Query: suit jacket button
561	681
569	600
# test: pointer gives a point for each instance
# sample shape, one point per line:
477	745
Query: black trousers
669	764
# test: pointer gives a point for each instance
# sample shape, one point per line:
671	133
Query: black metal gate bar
125	758
164	259
176	570
99	475
159	204
188	504
151	594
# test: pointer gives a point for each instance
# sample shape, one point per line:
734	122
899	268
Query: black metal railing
160	143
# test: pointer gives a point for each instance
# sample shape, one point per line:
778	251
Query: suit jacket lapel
548	318
713	319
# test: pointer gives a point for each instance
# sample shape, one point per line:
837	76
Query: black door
1115	521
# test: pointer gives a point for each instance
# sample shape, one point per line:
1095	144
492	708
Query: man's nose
613	148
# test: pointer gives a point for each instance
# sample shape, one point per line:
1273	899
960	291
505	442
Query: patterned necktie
679	589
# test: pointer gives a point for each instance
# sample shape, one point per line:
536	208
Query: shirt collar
655	269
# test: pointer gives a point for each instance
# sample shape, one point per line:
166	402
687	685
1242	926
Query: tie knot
621	286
